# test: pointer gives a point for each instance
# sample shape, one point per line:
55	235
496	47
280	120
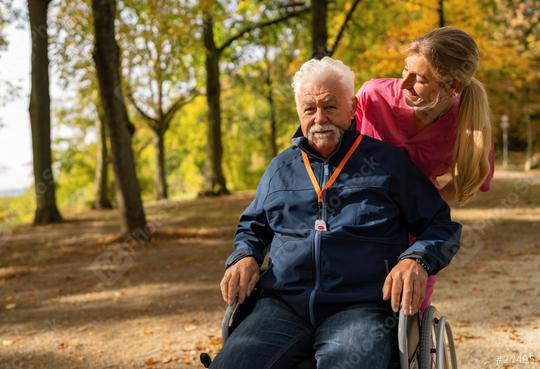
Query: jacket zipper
317	249
317	239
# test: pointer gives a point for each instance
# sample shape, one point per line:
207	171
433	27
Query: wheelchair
425	344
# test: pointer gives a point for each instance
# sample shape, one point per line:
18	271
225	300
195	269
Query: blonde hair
453	56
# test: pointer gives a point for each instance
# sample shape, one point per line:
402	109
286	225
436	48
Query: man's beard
331	137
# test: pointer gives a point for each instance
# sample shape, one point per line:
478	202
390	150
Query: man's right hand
239	280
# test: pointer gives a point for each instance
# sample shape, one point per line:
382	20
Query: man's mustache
318	128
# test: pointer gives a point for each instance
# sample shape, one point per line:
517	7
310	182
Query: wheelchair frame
429	345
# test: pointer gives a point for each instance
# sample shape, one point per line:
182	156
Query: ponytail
473	142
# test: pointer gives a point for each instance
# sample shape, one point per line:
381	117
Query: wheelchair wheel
436	349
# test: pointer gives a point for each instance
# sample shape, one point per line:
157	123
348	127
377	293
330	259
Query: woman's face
418	83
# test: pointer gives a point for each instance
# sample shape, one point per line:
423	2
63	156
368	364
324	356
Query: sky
15	137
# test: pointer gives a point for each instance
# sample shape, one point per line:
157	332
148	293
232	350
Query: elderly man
334	212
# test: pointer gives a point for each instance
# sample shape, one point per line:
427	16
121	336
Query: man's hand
411	278
239	280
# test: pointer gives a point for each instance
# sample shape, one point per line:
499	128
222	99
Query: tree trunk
161	175
215	185
319	30
101	200
440	10
528	160
40	116
107	60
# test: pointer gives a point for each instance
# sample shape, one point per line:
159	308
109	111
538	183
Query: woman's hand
448	192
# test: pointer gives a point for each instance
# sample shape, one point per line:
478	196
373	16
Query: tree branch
259	25
343	26
144	145
152	122
179	103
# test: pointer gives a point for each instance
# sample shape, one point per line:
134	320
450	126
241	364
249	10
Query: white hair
315	68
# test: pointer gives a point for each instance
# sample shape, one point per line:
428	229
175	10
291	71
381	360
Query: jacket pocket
291	260
351	264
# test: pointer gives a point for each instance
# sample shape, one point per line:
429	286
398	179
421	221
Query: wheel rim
428	341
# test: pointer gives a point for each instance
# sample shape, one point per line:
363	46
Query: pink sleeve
360	104
487	182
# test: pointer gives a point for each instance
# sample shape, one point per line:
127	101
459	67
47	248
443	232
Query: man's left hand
409	277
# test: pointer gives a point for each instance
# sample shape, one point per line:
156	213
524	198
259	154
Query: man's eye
309	110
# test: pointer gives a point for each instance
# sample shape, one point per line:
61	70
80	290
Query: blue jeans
274	337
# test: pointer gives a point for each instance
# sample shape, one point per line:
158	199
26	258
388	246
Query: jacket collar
349	135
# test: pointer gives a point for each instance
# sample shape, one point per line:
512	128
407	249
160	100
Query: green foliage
6	8
71	46
144	158
74	152
17	210
161	56
186	148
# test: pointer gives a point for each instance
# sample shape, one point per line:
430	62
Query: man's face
325	110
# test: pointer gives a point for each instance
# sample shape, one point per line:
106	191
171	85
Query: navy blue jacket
378	199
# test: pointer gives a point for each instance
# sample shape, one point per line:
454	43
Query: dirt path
73	296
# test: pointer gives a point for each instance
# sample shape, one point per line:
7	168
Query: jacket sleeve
253	233
427	218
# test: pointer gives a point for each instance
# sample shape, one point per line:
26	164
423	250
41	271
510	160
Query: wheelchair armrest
228	319
408	337
236	312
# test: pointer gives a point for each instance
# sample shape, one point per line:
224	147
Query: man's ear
354	102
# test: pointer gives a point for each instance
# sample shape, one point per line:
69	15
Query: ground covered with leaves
74	296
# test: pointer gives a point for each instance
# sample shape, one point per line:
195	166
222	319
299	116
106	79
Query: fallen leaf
148	331
514	336
61	346
461	323
166	360
534	359
8	342
150	361
466	336
505	327
11	306
190	327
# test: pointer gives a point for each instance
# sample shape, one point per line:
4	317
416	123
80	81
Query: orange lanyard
334	175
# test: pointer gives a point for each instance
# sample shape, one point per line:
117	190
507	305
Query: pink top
382	113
